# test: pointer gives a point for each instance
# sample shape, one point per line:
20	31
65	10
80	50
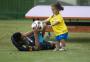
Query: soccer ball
37	24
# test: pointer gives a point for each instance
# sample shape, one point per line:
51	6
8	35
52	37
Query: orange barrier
72	28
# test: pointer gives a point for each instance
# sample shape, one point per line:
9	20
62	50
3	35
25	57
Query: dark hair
58	6
17	36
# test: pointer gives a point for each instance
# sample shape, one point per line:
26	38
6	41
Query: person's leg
57	43
61	38
62	41
62	45
48	45
52	44
57	46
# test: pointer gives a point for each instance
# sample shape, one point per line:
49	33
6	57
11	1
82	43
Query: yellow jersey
59	28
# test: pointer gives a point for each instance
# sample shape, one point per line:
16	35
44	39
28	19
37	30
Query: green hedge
14	8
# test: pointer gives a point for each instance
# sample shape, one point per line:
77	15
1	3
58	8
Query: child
58	26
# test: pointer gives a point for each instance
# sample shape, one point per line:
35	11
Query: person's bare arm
47	20
28	33
37	45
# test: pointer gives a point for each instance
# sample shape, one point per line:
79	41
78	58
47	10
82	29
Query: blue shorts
62	36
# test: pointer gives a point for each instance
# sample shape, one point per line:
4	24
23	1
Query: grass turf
78	46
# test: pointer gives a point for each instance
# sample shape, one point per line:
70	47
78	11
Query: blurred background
12	19
16	9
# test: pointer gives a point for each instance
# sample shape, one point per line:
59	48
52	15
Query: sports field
78	46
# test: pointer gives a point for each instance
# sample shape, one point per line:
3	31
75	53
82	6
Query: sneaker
56	49
61	49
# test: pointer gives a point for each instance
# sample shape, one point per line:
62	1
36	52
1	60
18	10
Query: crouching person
31	41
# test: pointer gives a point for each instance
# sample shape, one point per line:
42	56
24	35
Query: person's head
18	36
56	8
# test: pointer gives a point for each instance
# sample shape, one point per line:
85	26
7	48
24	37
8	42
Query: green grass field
78	46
